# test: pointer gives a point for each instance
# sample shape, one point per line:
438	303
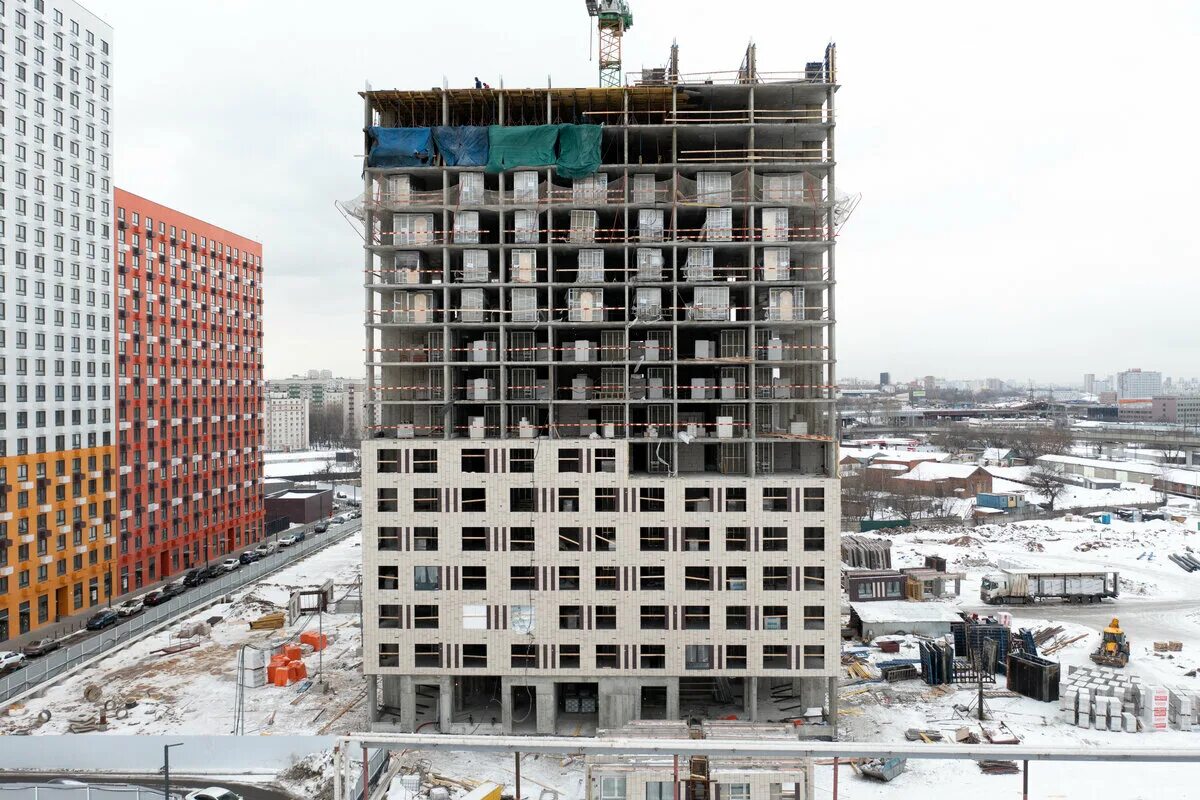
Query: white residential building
286	423
1136	384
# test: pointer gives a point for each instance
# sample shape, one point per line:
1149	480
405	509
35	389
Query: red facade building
189	391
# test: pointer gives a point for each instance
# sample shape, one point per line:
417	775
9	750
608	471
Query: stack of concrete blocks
1099	698
254	668
1183	709
1155	705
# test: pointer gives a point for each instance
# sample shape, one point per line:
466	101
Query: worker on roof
478	83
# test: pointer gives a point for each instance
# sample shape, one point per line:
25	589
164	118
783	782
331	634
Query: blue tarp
463	145
400	147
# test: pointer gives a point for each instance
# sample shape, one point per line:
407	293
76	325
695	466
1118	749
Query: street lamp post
167	769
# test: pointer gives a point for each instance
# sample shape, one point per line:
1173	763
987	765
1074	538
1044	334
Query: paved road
249	791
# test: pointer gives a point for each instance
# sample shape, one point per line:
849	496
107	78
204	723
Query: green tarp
574	150
578	150
511	146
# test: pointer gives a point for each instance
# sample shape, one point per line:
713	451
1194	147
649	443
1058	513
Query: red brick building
189	390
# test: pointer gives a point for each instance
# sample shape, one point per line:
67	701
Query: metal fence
59	661
96	791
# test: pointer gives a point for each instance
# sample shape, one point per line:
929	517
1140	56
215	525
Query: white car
213	793
230	564
10	661
131	606
287	540
265	549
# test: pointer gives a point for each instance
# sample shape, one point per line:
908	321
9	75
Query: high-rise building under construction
601	478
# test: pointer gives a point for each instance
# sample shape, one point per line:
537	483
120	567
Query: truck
1011	587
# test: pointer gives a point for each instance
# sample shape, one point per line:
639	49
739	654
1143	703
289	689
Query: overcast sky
1028	170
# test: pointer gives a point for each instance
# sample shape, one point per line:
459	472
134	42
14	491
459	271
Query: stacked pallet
1099	698
865	553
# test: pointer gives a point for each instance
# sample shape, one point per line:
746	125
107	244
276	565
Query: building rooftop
904	611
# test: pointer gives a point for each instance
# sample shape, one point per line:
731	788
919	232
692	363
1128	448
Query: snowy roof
889	467
904	611
936	471
996	453
888	454
1187	477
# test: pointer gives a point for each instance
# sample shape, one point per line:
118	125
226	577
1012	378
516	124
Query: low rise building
935	479
300	506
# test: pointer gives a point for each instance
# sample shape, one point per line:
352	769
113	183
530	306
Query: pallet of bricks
1095	697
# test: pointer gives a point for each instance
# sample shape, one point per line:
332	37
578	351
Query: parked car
103	619
287	540
194	577
265	549
355	514
299	534
340	495
248	557
211	571
133	605
338	520
213	793
321	527
174	588
39	647
230	564
155	597
10	661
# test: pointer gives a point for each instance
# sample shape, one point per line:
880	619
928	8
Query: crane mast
613	18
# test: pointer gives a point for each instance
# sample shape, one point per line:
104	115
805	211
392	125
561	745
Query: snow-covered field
194	691
303	462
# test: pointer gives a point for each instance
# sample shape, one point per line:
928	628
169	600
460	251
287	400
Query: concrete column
750	698
445	704
812	692
673	698
831	708
372	698
399	694
459	695
506	706
547	709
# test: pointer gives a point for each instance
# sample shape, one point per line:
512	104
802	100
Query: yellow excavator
1114	647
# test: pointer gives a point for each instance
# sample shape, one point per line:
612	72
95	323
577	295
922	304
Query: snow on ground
194	691
303	462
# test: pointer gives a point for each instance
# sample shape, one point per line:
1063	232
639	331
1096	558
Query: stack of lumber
266	622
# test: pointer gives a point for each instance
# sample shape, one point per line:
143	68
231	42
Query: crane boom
613	18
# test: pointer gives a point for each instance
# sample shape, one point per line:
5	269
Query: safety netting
521	146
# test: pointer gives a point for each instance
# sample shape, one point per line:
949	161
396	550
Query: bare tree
1047	482
1056	441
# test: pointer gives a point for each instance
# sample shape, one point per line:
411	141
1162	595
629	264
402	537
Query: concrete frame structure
602	466
189	390
57	454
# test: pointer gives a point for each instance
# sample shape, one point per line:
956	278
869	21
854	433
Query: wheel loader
1114	647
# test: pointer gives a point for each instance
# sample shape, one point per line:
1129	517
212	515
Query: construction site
600	327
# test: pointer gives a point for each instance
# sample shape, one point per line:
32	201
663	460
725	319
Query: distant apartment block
1136	384
354	410
286	423
602	480
189	390
58	458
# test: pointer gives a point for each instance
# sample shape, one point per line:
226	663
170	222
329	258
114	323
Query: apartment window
522	578
427	655
735	656
426	579
775	618
814	539
735	579
520	459
697	579
474	656
775	579
775	499
568	500
606	499
605	540
389	616
425	538
651	578
652	539
814	579
814	618
737	539
774	539
570	539
606	459
775	656
427	500
697	656
814	656
386	461
474	578
424	461
474	539
388	539
568	656
814	499
606	579
654	618
474	500
389	577
652	499
389	654
523	656
606	618
696	539
733	791
474	460
735	499
570	460
387	499
425	616
522	499
695	618
653	656
568	578
570	618
737	618
697	500
612	788
521	540
608	656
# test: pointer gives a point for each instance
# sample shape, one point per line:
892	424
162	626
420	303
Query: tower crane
613	18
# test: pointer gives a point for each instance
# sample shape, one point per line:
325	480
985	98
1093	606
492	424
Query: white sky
1028	170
